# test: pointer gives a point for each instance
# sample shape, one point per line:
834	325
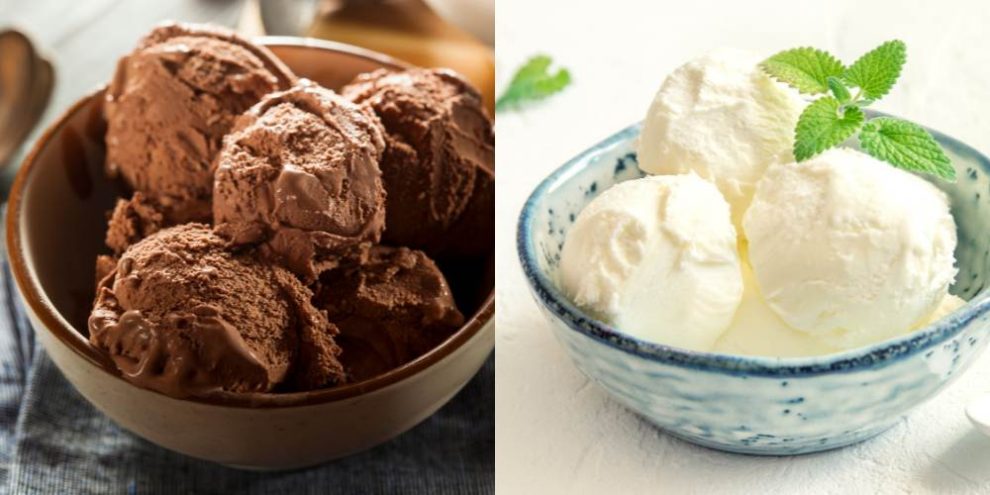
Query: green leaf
824	124
805	69
838	89
906	145
533	81
877	71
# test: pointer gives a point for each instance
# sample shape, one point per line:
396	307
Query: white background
557	433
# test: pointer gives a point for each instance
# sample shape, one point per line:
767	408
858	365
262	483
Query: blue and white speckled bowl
759	405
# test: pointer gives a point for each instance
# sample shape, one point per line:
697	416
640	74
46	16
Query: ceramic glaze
759	405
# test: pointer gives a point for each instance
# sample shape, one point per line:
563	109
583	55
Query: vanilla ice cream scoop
849	248
721	117
949	304
656	257
757	331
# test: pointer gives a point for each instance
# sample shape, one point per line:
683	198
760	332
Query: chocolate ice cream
183	315
438	165
171	102
390	309
105	265
132	220
299	174
249	184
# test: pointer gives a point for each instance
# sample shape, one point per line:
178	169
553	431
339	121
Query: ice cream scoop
391	308
133	219
169	105
949	303
299	174
181	314
757	331
722	118
848	248
656	257
439	161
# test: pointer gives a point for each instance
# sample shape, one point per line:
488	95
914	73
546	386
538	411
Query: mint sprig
839	90
805	69
533	81
837	114
877	71
824	124
895	140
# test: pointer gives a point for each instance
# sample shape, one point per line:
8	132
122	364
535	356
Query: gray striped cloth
53	441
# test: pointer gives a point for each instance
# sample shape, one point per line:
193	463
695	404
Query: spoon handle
26	81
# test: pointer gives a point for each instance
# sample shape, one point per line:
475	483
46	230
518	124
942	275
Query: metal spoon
26	81
978	412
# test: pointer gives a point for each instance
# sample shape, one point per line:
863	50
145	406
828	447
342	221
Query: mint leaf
533	81
906	145
805	69
831	119
838	89
877	71
824	124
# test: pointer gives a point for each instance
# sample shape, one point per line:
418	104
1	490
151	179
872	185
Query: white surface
849	249
657	257
720	116
556	432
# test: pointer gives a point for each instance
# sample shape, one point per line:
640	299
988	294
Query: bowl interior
553	207
66	197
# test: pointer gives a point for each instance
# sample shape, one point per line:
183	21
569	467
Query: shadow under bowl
759	405
55	225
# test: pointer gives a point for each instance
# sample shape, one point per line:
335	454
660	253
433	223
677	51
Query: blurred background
77	43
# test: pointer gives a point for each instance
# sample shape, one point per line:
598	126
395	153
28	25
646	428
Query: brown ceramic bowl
55	223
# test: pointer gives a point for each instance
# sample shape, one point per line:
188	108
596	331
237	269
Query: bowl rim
875	355
66	335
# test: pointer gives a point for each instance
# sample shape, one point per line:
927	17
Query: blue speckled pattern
759	405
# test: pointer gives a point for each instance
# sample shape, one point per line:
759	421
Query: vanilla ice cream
949	304
656	257
848	248
721	117
757	331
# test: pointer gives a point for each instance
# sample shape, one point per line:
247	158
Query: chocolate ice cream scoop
132	220
299	174
390	309
169	105
438	165
183	315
